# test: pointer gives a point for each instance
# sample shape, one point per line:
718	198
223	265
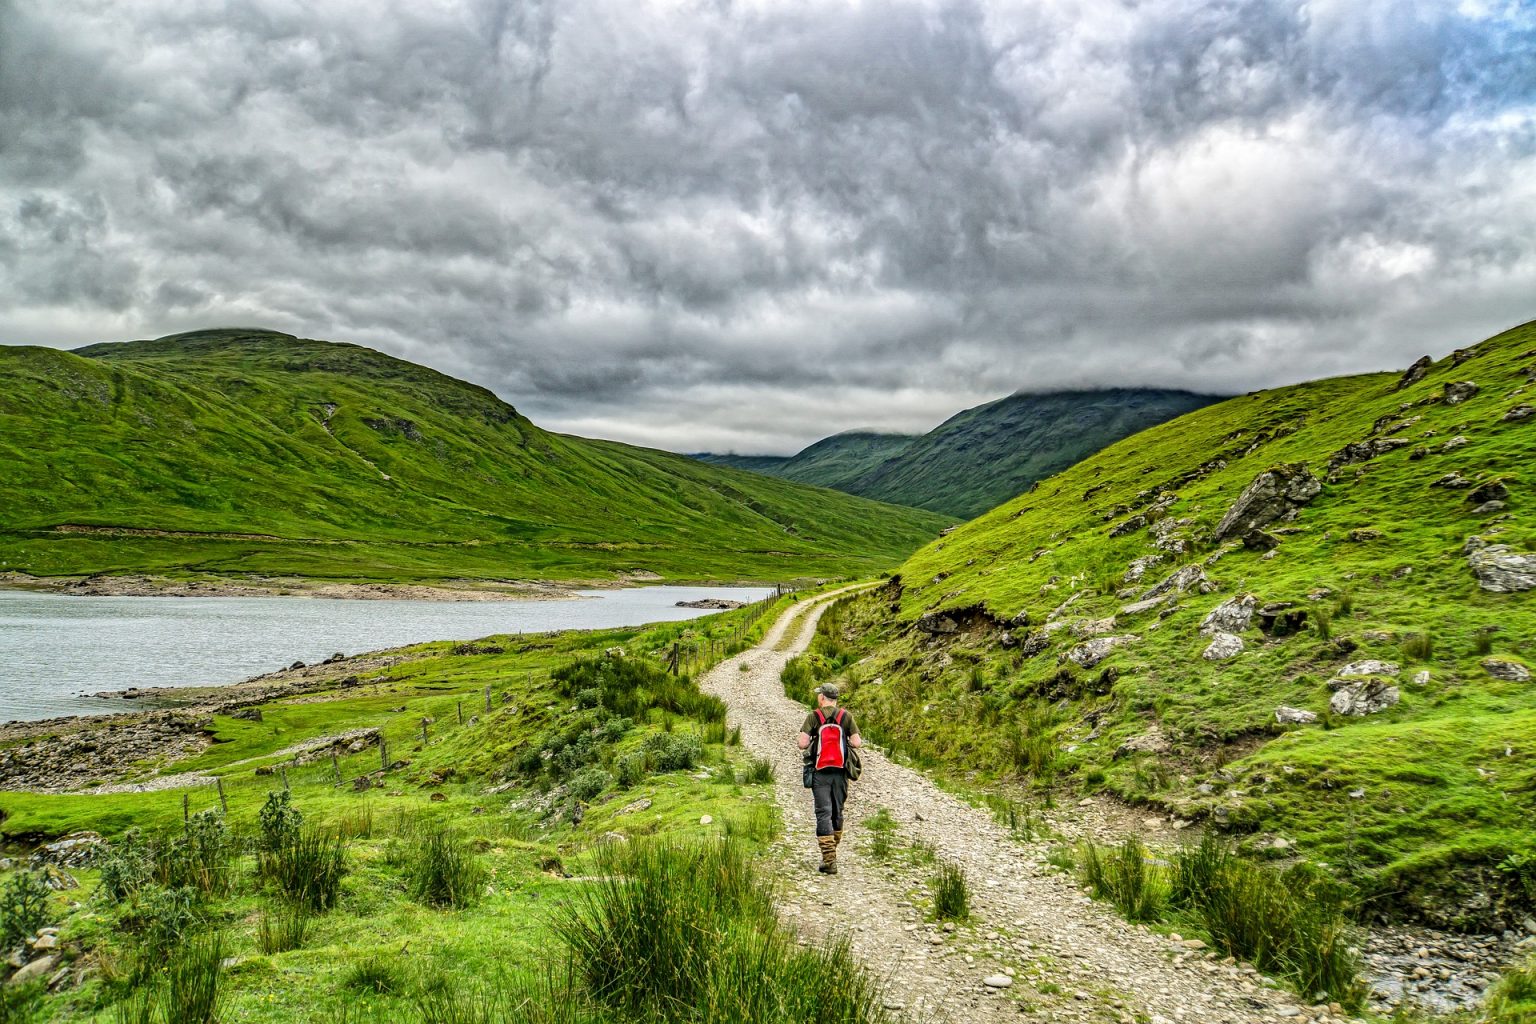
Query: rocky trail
1034	944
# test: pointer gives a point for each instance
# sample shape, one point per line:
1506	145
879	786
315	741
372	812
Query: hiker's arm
856	740
805	741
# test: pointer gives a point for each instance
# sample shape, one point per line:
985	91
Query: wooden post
383	752
282	770
223	803
487	700
186	807
423	732
461	712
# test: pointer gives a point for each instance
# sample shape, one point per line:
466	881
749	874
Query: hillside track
1072	959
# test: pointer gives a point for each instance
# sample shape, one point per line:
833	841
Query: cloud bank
738	225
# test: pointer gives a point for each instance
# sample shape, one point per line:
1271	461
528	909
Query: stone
1421	678
247	714
36	969
1131	525
1488	508
1258	540
1519	412
1274	494
1150	604
635	807
1177	582
1361	534
1231	616
1499	568
1369	667
46	942
1509	671
1294	716
1091	652
1454	481
1460	391
1093	627
1223	646
1150	742
1488	490
1365	451
76	850
1456	442
1034	643
1139	566
1365	697
937	624
997	981
706	819
1415	373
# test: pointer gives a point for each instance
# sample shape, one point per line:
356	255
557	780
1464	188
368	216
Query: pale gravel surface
1074	960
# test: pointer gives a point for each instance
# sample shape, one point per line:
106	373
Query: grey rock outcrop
1091	652
1232	616
1520	412
1150	742
1365	451
1369	667
1499	568
1139	566
1294	716
76	850
1223	646
937	624
1176	582
1415	373
1358	698
1274	494
1509	671
1131	525
1460	391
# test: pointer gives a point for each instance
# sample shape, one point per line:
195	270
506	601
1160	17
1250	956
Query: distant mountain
980	457
248	452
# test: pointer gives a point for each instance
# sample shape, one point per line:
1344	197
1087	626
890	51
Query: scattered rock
1519	412
36	969
1499	568
1368	667
635	807
1460	391
1365	451
246	714
1488	508
1091	652
1093	627
1223	646
1415	373
1488	490
1509	671
1131	525
997	981
711	602
1034	643
1274	494
1365	533
1294	716
1231	616
1456	442
76	850
1150	742
1454	481
1140	607
937	624
1421	678
1361	698
1177	582
1138	567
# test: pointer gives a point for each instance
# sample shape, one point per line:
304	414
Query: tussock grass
380	974
1123	876
282	928
882	834
759	823
306	864
443	870
759	772
1417	647
192	988
951	892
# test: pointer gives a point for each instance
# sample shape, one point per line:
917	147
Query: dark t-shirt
849	727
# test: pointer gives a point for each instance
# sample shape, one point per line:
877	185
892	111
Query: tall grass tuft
759	823
1482	641
1417	647
443	870
951	892
759	772
307	864
1322	621
282	928
1123	876
681	933
882	834
192	976
380	975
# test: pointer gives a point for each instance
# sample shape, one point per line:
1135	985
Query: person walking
826	737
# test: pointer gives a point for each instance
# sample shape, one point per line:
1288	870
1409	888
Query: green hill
979	457
1303	615
246	452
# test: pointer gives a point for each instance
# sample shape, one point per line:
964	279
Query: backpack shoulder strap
821	719
838	718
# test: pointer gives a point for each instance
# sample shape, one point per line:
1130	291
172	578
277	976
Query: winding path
1069	958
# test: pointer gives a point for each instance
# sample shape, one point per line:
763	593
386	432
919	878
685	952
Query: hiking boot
828	846
837	839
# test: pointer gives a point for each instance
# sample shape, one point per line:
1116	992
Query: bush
951	893
307	865
126	867
199	857
282	928
443	871
631	770
588	783
280	820
23	907
162	918
672	752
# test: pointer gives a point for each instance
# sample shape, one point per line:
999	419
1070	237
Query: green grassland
1426	806
237	453
533	787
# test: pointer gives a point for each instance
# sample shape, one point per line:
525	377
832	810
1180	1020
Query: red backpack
831	744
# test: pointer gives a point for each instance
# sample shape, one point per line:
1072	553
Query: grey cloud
748	225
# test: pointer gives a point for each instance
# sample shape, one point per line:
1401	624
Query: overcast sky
742	226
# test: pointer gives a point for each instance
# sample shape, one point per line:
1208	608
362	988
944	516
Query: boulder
1368	667
1361	534
1488	508
1177	582
1150	742
247	714
1362	697
76	850
1131	525
1034	643
1456	442
1294	716
1093	627
1232	616
1223	646
1454	481
1258	540
1499	568
1274	494
1090	652
1151	603
1460	391
1138	567
1509	671
1520	412
1488	490
36	969
1365	451
937	624
1415	373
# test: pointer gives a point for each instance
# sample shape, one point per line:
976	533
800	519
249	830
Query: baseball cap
828	690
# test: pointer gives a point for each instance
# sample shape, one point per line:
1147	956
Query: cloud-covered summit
745	225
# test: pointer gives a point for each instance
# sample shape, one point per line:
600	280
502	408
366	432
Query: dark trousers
829	788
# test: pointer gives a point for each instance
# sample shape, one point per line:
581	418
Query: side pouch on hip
807	770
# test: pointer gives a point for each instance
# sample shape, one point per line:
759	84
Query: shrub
307	865
199	857
951	893
162	918
279	820
443	871
23	907
587	784
126	867
1513	999
282	928
630	771
1122	876
672	752
734	739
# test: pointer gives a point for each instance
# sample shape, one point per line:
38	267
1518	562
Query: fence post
487	700
186	807
461	712
282	770
423	732
223	803
383	752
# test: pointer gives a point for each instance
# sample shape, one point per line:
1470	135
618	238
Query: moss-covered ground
533	787
1426	806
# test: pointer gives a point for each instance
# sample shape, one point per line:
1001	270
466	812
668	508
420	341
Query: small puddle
1434	971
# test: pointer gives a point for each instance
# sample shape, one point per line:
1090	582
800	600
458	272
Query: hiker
825	737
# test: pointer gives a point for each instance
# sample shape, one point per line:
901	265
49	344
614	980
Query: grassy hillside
1060	635
239	452
979	457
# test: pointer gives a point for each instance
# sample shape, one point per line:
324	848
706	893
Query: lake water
55	648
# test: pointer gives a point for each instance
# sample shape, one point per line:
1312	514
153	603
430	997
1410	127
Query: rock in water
1294	716
1231	616
1361	698
1500	568
1274	494
1223	646
1509	671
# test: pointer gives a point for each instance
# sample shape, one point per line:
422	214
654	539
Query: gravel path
1065	957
